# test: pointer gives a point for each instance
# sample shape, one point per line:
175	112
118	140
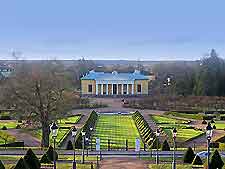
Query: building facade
106	84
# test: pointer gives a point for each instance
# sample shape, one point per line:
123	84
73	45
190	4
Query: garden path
123	163
29	140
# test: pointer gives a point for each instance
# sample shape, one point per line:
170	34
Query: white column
101	89
132	88
112	89
117	88
96	86
107	92
127	89
122	89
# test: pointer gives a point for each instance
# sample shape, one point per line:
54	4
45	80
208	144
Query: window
90	88
139	88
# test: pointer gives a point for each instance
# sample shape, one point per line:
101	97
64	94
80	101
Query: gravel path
123	163
29	140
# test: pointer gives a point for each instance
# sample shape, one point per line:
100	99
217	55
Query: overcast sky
112	29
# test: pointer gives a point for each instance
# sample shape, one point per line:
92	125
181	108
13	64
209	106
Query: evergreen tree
50	152
189	155
165	146
32	160
216	161
45	159
1	165
197	161
69	145
21	164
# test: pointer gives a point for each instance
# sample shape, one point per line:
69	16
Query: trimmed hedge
90	123
144	130
32	160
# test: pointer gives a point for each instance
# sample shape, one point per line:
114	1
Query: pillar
122	89
101	89
117	88
112	88
127	88
96	86
107	92
132	91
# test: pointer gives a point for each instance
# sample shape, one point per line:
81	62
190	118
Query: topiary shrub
212	121
32	160
18	127
4	128
204	122
216	161
69	145
189	156
21	164
165	146
214	127
50	152
197	161
1	165
45	159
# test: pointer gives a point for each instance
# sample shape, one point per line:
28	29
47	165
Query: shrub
32	160
21	164
214	127
197	161
69	145
165	146
20	121
5	117
50	154
216	161
4	128
45	159
189	155
18	127
1	165
204	122
212	121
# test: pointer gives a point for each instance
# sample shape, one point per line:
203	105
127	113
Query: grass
10	124
184	134
220	125
169	166
168	120
5	136
63	165
117	128
185	115
69	121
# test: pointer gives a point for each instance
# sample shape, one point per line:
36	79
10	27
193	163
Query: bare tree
39	92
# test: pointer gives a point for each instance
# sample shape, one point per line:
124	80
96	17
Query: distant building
106	84
5	71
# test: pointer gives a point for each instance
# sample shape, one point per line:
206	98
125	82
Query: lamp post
151	139
157	146
54	130
83	136
174	148
209	134
91	129
74	132
87	143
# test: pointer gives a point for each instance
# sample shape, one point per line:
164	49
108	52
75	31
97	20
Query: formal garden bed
117	129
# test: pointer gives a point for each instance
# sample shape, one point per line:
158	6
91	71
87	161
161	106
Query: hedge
145	131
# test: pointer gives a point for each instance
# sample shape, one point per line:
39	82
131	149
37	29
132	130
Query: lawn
183	134
220	125
185	115
63	165
10	124
169	166
5	136
168	120
69	121
117	128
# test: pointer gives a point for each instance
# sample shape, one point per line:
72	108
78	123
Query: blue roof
92	75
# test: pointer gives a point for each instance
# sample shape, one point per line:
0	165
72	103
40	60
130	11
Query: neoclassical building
104	84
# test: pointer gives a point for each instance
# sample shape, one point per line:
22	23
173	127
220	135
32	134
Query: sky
111	29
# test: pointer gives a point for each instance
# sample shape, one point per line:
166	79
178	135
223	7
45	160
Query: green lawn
168	120
10	124
220	125
4	135
169	166
185	115
117	128
64	166
69	121
183	134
